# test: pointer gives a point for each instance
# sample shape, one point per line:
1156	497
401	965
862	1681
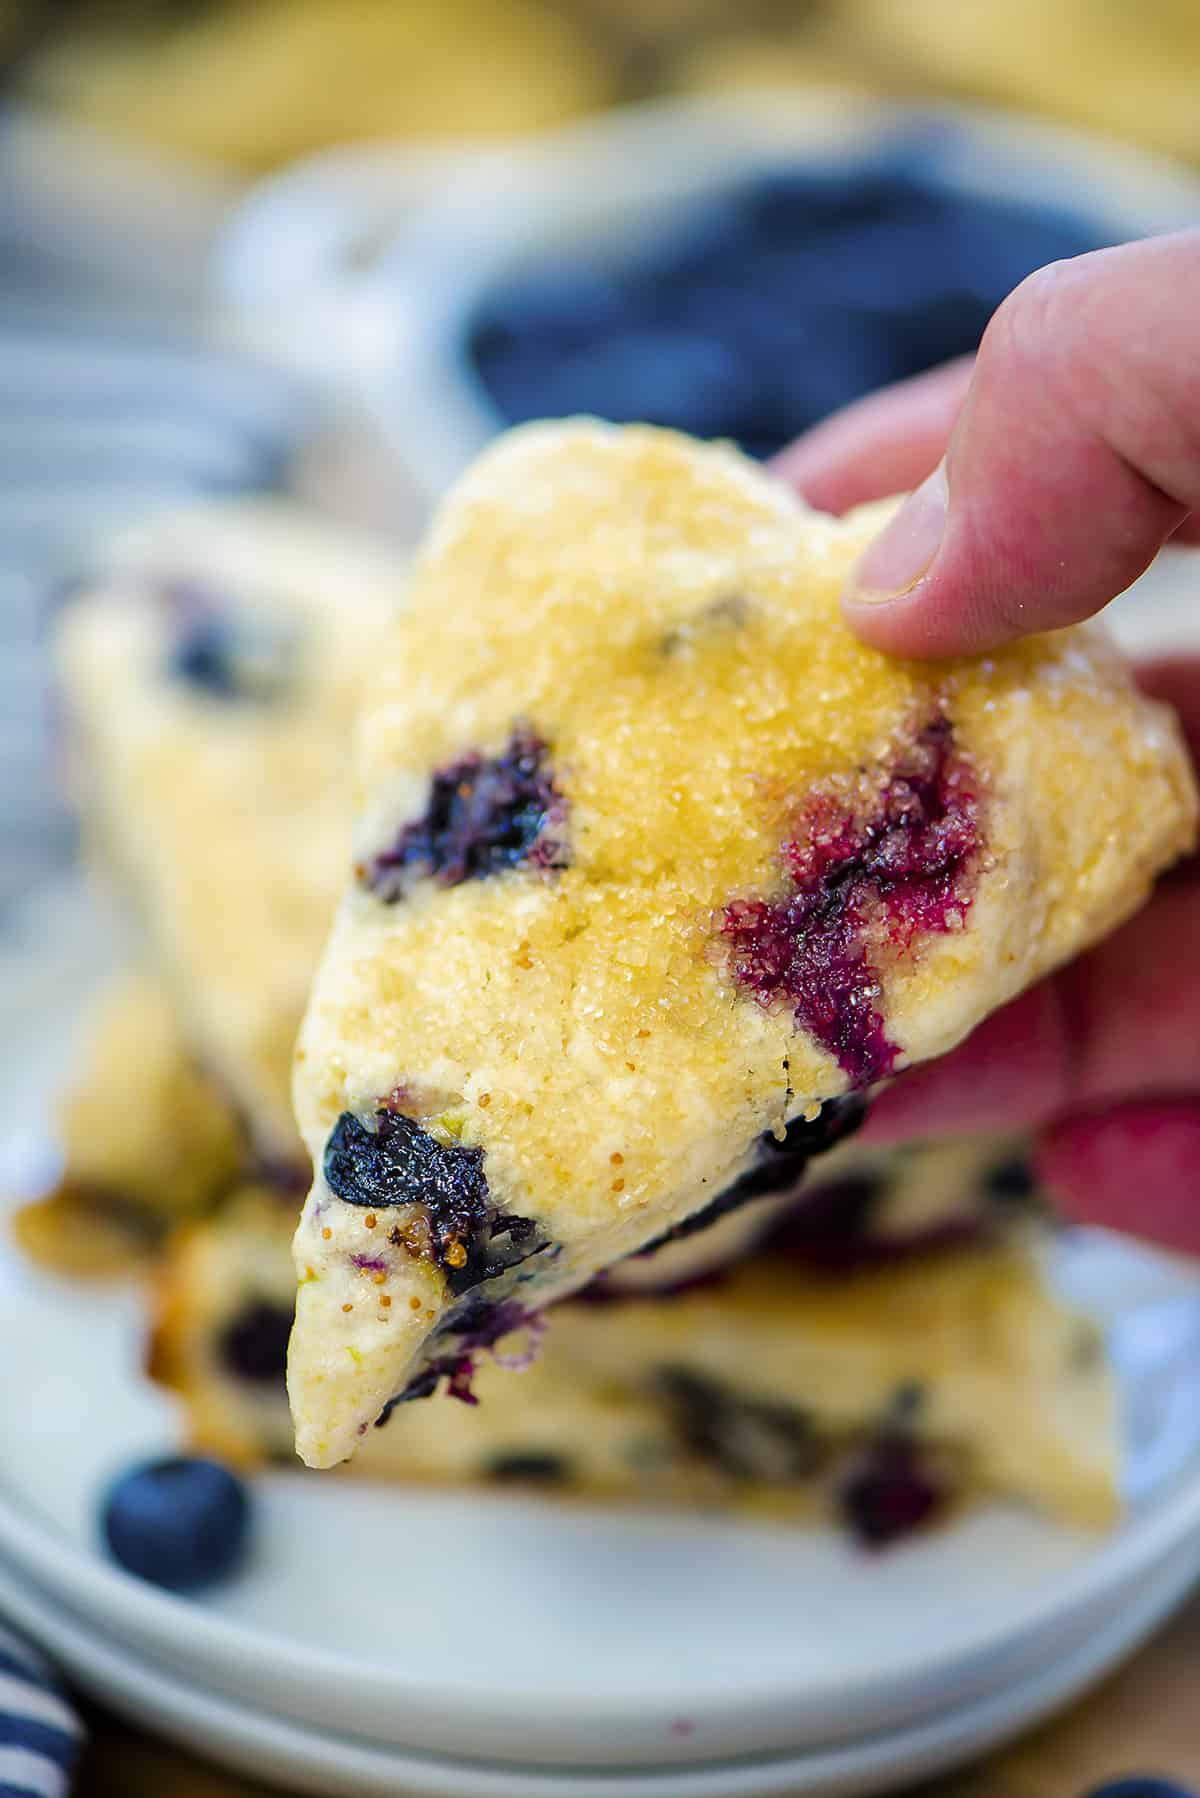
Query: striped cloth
39	1732
104	417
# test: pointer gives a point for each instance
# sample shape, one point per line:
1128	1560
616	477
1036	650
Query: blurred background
181	311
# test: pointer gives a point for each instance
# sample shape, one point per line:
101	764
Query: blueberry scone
885	1353
655	865
209	668
859	1207
145	1138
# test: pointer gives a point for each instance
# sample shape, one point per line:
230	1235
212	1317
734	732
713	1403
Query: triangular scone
655	858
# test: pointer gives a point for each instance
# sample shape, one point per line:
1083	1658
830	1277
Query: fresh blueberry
788	203
757	310
181	1523
1146	1786
684	380
559	305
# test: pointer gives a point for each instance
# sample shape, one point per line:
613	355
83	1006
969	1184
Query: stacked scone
884	1346
882	1341
208	665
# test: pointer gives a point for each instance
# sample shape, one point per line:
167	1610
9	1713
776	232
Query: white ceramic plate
423	1621
260	1743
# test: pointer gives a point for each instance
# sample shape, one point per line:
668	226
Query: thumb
1075	456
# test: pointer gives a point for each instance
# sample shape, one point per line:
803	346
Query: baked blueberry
254	1344
748	1439
780	1164
892	1489
398	1163
564	304
756	311
181	1523
226	650
529	1467
484	814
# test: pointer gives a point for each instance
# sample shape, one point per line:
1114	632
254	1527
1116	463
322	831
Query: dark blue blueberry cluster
747	1439
484	814
779	1164
225	649
1146	1786
181	1523
893	1486
254	1344
471	1329
1011	1182
762	309
831	1230
529	1467
398	1163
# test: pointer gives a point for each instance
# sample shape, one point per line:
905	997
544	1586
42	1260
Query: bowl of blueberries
735	269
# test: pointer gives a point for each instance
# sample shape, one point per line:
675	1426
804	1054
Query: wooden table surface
1145	1719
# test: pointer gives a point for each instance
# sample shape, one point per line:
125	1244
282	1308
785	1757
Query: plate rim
934	1744
216	1646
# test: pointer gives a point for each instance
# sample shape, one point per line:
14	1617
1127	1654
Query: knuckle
1031	319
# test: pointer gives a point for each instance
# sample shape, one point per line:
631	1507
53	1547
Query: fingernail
904	551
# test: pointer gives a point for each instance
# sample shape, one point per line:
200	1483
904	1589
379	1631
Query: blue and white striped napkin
104	417
40	1735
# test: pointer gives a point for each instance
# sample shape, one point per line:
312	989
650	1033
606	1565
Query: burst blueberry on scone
654	862
886	1351
209	664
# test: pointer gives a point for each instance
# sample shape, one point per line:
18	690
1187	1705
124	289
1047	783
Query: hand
1048	473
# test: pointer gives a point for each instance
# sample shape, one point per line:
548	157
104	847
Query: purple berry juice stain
858	883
